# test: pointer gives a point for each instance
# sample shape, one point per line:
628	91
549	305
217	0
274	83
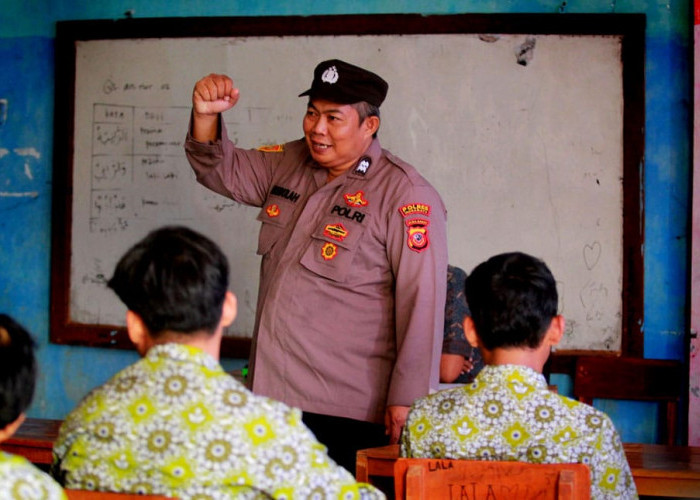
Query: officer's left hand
394	420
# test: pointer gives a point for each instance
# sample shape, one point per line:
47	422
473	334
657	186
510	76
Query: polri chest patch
356	200
348	213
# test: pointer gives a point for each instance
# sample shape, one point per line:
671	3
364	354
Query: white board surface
527	157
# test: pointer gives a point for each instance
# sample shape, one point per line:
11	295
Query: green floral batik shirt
508	413
20	480
176	424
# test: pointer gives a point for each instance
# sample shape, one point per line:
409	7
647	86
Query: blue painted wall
26	117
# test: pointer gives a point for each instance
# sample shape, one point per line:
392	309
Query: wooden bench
427	478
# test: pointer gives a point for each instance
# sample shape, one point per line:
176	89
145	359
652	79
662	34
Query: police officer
351	301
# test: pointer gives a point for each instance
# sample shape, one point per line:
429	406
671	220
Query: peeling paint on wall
3	111
28	152
30	194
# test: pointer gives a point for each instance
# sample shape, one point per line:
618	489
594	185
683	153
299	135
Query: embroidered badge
417	234
272	210
363	165
272	148
348	213
329	251
356	200
330	75
415	208
335	231
285	193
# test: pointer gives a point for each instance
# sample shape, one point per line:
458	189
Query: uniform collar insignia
363	165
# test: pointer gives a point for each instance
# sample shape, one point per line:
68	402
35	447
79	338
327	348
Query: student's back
174	423
508	413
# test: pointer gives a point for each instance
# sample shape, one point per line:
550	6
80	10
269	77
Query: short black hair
512	298
175	279
365	110
17	370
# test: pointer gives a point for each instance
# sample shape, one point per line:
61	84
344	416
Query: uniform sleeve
417	249
243	175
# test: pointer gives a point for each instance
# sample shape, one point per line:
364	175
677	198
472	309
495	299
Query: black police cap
344	83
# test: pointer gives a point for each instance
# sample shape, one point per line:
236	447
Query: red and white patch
417	230
335	231
329	251
272	210
356	200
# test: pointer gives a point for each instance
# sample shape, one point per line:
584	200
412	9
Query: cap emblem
330	75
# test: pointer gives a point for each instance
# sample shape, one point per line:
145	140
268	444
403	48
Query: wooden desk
34	440
661	470
658	470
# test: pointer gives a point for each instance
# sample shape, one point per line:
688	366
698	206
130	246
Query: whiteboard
521	134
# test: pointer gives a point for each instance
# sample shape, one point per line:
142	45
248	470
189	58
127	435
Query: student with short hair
507	413
174	423
19	479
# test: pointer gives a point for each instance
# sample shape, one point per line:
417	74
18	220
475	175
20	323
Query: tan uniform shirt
352	291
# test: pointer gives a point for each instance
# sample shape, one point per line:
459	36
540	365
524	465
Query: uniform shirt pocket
333	247
276	215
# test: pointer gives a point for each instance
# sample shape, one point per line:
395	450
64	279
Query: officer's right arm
211	96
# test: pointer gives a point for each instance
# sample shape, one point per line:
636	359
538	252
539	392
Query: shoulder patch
275	148
415	208
417	230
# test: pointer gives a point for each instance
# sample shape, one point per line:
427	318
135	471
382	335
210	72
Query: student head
513	302
17	374
174	284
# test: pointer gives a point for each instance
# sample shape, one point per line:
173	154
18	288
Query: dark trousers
344	436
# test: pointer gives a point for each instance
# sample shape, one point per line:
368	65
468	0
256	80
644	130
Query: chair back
428	478
96	495
638	379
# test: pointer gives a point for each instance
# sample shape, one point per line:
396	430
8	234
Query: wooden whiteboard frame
630	27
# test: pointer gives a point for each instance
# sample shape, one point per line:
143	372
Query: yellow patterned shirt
508	413
20	480
176	424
